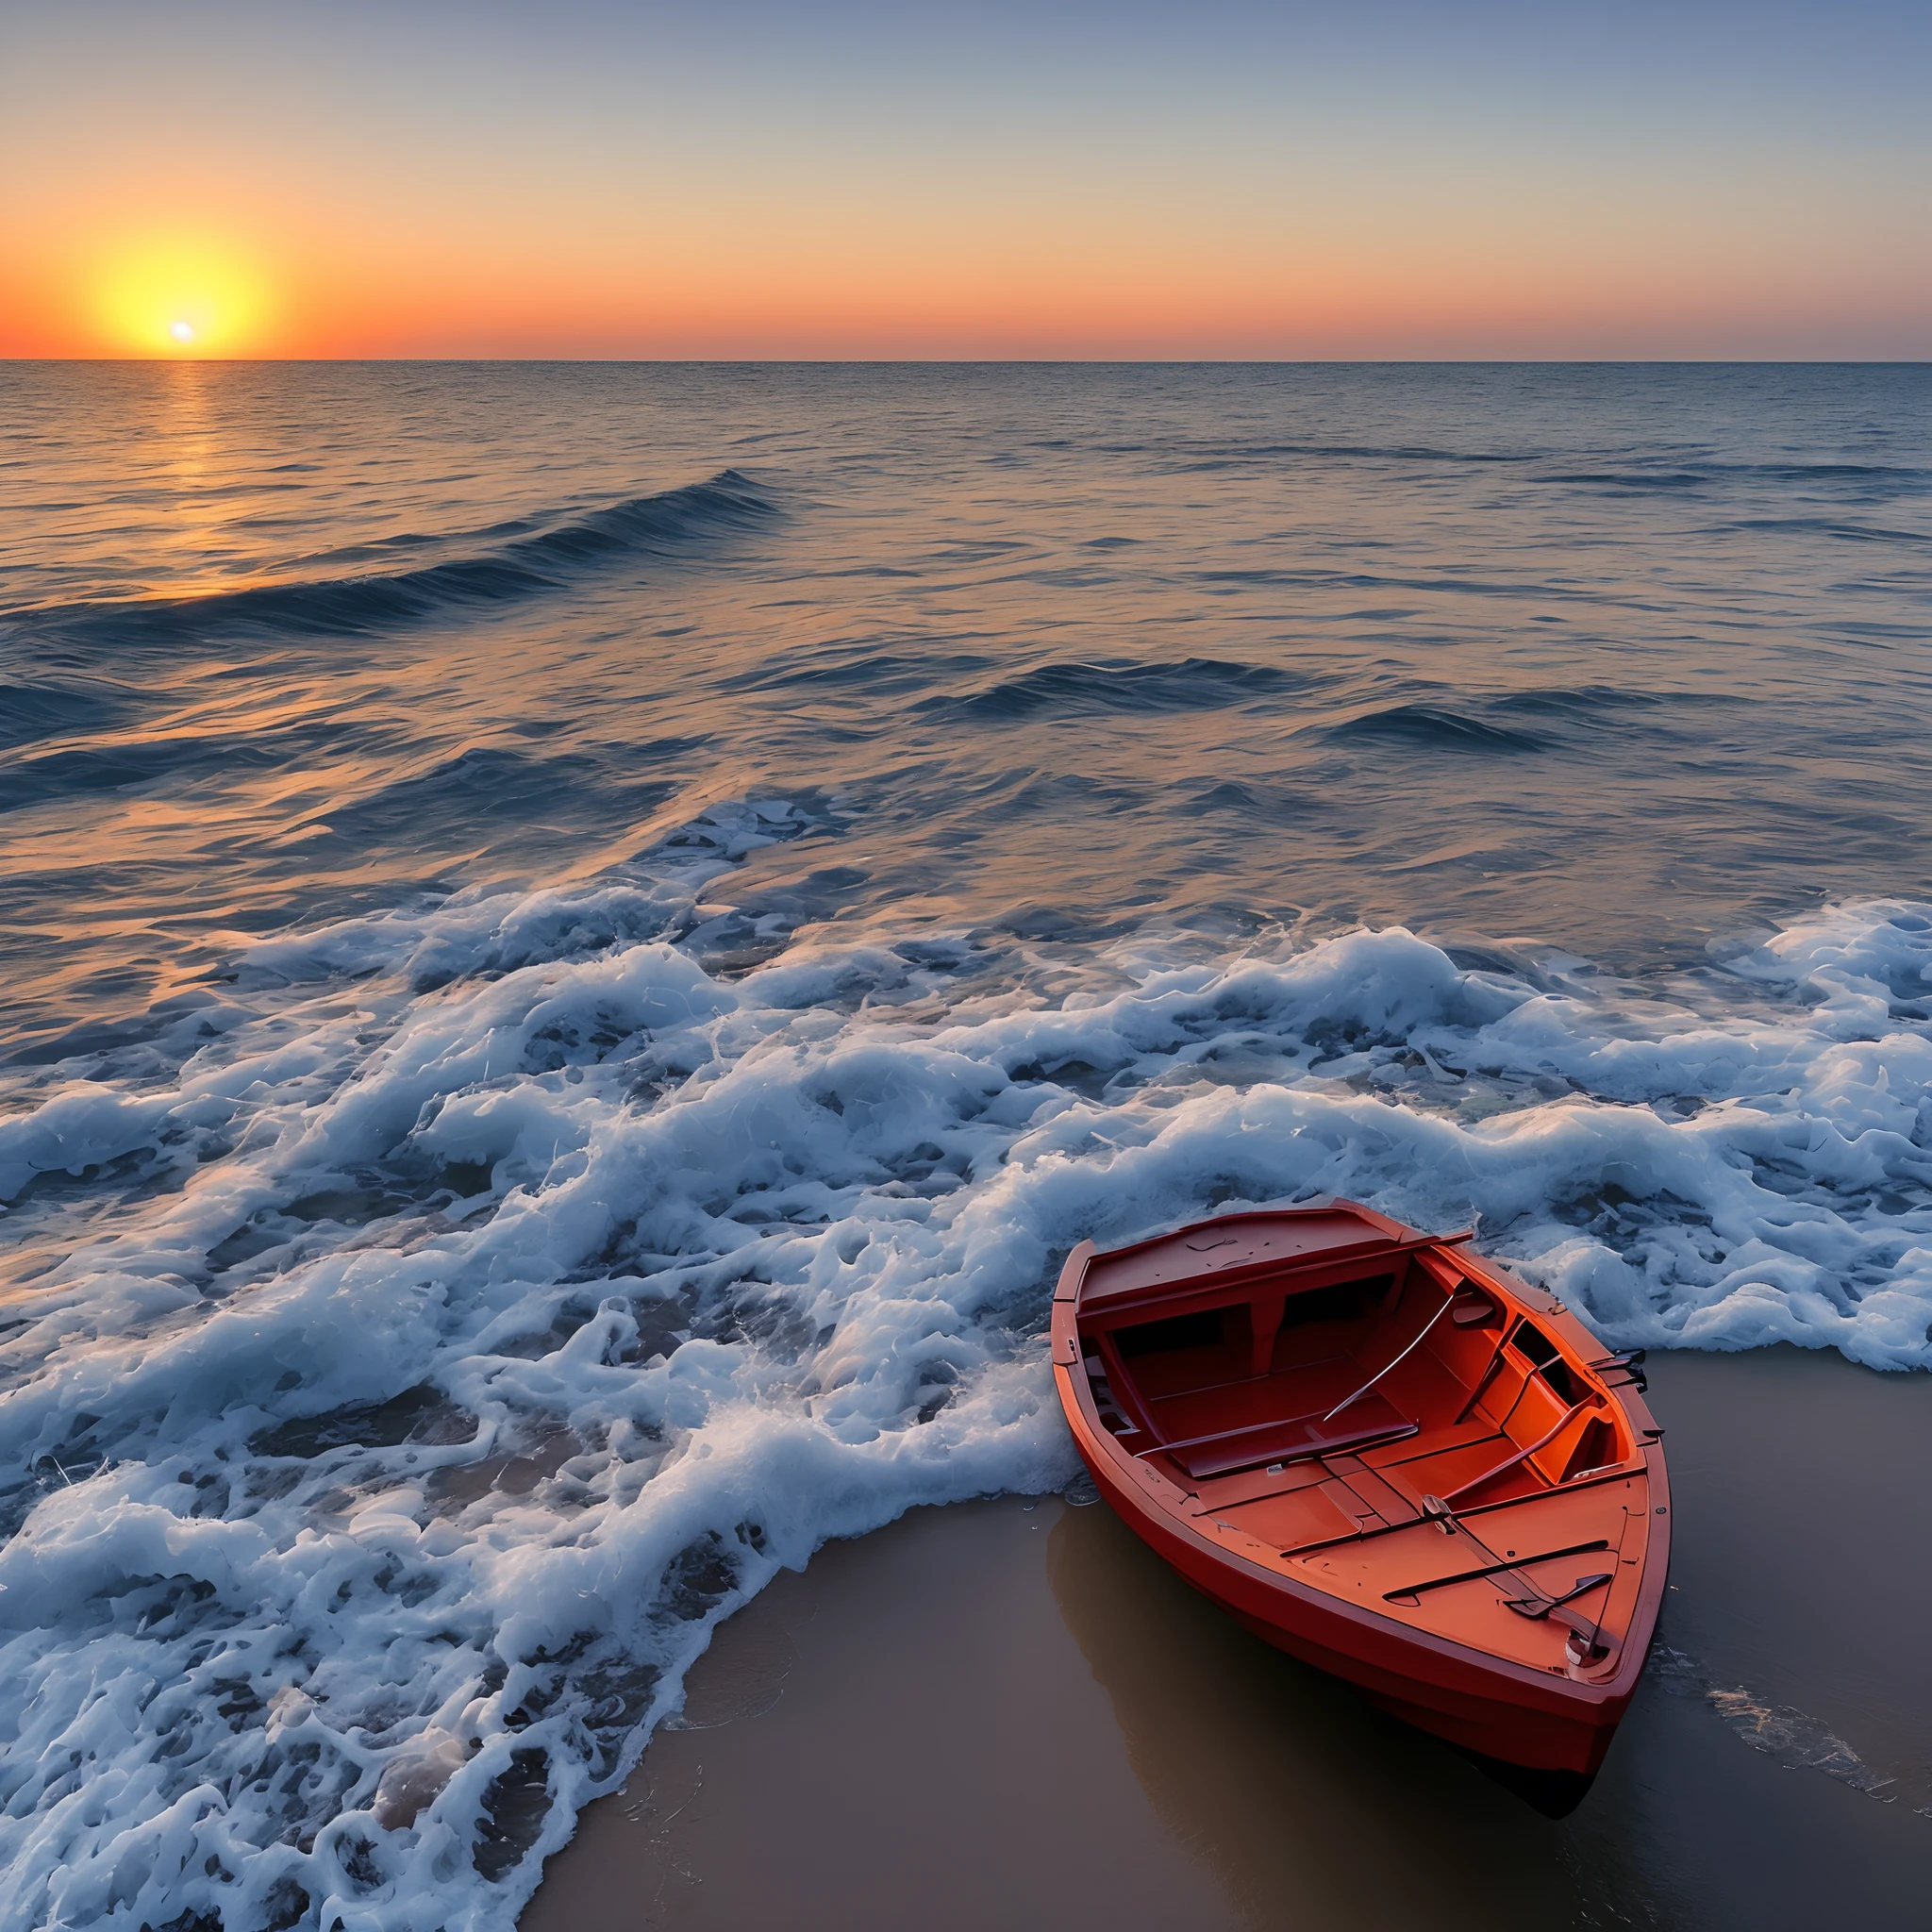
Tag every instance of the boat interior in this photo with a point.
(1395, 1427)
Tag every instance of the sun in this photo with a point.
(181, 296)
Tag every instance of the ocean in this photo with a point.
(581, 941)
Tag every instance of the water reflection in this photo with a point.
(1310, 1804)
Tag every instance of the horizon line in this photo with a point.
(1013, 362)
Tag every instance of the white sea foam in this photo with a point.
(435, 1333)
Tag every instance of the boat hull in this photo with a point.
(1464, 1705)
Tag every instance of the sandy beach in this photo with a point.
(1008, 1713)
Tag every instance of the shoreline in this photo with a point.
(1010, 1712)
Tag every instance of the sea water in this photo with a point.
(581, 941)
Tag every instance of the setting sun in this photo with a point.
(169, 294)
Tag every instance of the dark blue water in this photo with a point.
(580, 942)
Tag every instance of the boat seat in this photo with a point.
(1373, 1418)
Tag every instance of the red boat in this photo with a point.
(1386, 1457)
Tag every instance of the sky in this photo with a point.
(829, 179)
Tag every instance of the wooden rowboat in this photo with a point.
(1386, 1457)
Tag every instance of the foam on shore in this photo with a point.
(425, 1337)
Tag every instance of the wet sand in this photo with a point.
(1011, 1714)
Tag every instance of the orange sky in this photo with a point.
(289, 181)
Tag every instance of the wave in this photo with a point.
(664, 524)
(1430, 728)
(474, 791)
(1589, 702)
(114, 764)
(1832, 527)
(1866, 479)
(1364, 580)
(1686, 470)
(34, 711)
(1903, 474)
(878, 672)
(1680, 475)
(1253, 803)
(443, 1364)
(1072, 689)
(459, 801)
(1236, 455)
(1437, 726)
(1634, 479)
